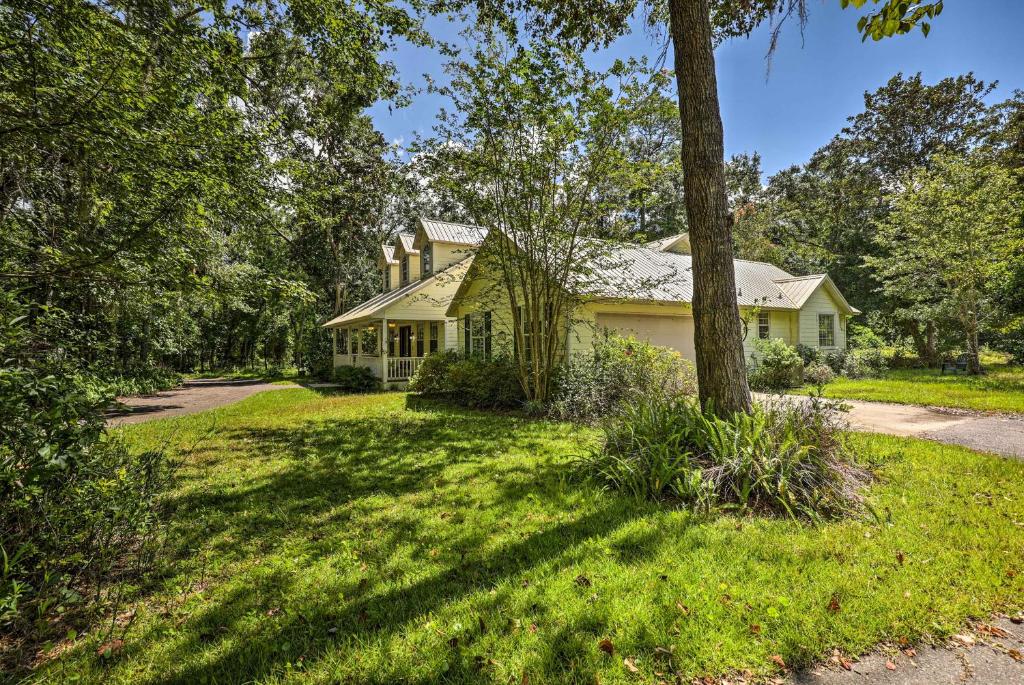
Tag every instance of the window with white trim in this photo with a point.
(762, 325)
(342, 340)
(476, 329)
(405, 269)
(826, 330)
(434, 334)
(387, 278)
(420, 333)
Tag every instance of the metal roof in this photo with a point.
(635, 272)
(667, 244)
(389, 253)
(407, 241)
(448, 232)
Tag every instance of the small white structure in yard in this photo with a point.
(391, 333)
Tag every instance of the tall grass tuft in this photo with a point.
(787, 458)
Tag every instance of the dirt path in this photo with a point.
(193, 396)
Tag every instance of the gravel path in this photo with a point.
(193, 396)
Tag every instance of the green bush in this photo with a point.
(472, 381)
(862, 337)
(835, 360)
(787, 458)
(818, 374)
(776, 366)
(356, 379)
(808, 355)
(141, 381)
(864, 363)
(619, 370)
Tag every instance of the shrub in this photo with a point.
(864, 363)
(74, 504)
(472, 381)
(619, 370)
(356, 379)
(808, 355)
(787, 458)
(776, 366)
(141, 380)
(862, 337)
(835, 360)
(818, 375)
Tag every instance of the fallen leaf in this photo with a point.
(846, 663)
(1016, 620)
(965, 640)
(833, 605)
(890, 665)
(994, 631)
(109, 649)
(911, 652)
(900, 558)
(683, 608)
(778, 661)
(606, 646)
(583, 581)
(755, 628)
(1015, 654)
(273, 611)
(533, 627)
(628, 661)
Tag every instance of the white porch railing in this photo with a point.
(402, 368)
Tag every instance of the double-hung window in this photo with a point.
(762, 325)
(405, 269)
(420, 331)
(342, 340)
(477, 333)
(826, 330)
(434, 328)
(427, 259)
(527, 329)
(387, 278)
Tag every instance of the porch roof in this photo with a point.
(376, 307)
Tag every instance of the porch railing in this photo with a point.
(403, 368)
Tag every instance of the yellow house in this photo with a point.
(647, 291)
(391, 333)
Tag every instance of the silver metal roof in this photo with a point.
(448, 232)
(407, 240)
(636, 272)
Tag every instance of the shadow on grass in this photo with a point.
(342, 474)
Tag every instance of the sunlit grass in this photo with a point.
(321, 539)
(1001, 388)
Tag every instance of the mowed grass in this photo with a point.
(367, 539)
(1001, 388)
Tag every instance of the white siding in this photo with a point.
(820, 302)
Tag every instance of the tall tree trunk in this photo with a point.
(721, 372)
(930, 348)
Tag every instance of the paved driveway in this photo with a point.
(193, 396)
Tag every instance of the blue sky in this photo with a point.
(815, 83)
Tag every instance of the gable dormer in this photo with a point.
(388, 266)
(679, 243)
(408, 259)
(442, 243)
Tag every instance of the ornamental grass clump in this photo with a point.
(787, 458)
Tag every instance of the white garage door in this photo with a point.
(668, 331)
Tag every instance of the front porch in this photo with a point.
(392, 349)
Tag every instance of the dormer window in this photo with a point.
(405, 269)
(387, 278)
(427, 258)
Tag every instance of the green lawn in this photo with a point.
(347, 539)
(1001, 388)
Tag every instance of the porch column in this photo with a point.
(384, 348)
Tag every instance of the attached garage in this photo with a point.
(675, 332)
